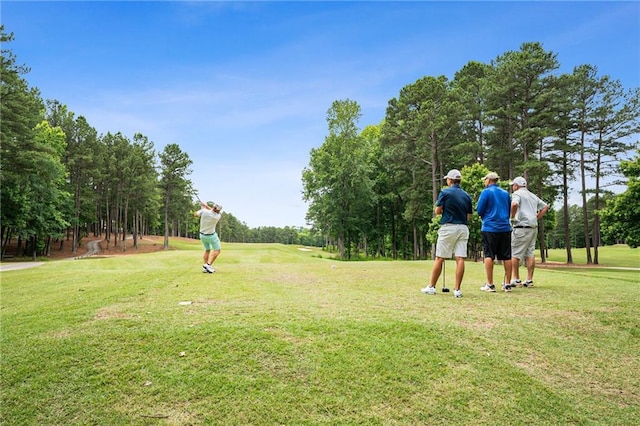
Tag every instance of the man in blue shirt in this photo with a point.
(455, 206)
(494, 208)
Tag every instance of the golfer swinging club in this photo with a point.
(209, 215)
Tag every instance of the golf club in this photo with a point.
(444, 277)
(196, 194)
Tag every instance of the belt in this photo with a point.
(523, 227)
(207, 234)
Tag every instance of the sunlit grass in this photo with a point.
(615, 256)
(281, 336)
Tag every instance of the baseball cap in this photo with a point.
(491, 176)
(453, 174)
(520, 181)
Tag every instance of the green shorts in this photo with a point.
(210, 242)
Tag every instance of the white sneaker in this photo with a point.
(208, 268)
(506, 287)
(457, 293)
(429, 290)
(488, 287)
(516, 283)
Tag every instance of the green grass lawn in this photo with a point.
(282, 336)
(613, 256)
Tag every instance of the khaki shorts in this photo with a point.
(452, 241)
(523, 242)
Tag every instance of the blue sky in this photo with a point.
(244, 87)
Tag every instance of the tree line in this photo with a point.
(371, 192)
(61, 181)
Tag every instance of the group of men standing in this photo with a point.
(509, 230)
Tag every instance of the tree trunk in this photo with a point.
(565, 195)
(166, 222)
(415, 241)
(135, 228)
(124, 224)
(542, 242)
(34, 248)
(76, 226)
(596, 208)
(585, 215)
(341, 246)
(434, 189)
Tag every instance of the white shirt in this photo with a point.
(208, 220)
(528, 207)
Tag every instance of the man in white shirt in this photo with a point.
(209, 215)
(526, 210)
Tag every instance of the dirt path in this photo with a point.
(93, 247)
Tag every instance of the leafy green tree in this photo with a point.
(119, 153)
(574, 225)
(473, 184)
(586, 82)
(521, 89)
(621, 219)
(230, 229)
(142, 178)
(337, 181)
(419, 131)
(616, 120)
(174, 185)
(606, 117)
(522, 111)
(470, 86)
(46, 185)
(81, 161)
(562, 156)
(20, 112)
(380, 217)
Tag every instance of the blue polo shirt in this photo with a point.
(456, 204)
(493, 207)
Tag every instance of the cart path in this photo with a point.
(93, 249)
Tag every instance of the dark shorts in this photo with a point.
(496, 245)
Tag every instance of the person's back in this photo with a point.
(526, 210)
(494, 205)
(494, 208)
(208, 221)
(456, 205)
(528, 206)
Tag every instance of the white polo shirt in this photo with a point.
(528, 207)
(208, 220)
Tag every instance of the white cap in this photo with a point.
(453, 174)
(520, 181)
